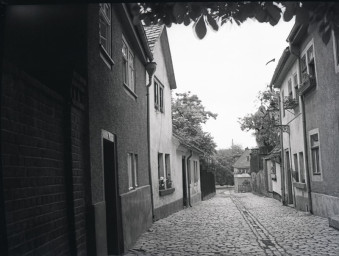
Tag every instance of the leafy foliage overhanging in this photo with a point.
(188, 115)
(216, 14)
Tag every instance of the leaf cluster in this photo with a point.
(222, 163)
(216, 14)
(263, 122)
(188, 115)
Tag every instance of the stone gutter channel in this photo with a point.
(265, 240)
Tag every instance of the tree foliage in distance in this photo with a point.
(223, 162)
(215, 14)
(263, 122)
(188, 115)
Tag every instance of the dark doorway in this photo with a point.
(289, 178)
(184, 181)
(114, 234)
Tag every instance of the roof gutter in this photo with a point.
(141, 39)
(281, 64)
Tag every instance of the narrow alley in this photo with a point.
(239, 224)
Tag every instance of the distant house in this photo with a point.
(308, 73)
(242, 177)
(273, 170)
(188, 164)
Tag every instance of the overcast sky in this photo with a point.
(226, 70)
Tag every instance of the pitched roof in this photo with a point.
(242, 160)
(153, 33)
(276, 151)
(186, 144)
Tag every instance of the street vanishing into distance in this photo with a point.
(239, 224)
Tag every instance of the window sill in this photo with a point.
(166, 192)
(106, 57)
(158, 109)
(316, 174)
(307, 86)
(130, 92)
(299, 185)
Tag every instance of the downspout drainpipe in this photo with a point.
(282, 169)
(150, 68)
(308, 178)
(189, 175)
(290, 166)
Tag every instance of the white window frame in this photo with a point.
(129, 69)
(106, 17)
(319, 172)
(132, 170)
(289, 87)
(165, 167)
(305, 53)
(196, 172)
(296, 165)
(158, 96)
(335, 51)
(282, 102)
(301, 160)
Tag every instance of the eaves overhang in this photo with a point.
(297, 34)
(139, 33)
(187, 145)
(285, 63)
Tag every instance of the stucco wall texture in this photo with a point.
(322, 112)
(294, 141)
(161, 132)
(276, 184)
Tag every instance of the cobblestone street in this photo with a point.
(239, 224)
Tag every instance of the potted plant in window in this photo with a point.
(161, 183)
(308, 82)
(290, 102)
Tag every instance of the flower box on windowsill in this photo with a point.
(299, 185)
(290, 103)
(273, 176)
(165, 192)
(308, 84)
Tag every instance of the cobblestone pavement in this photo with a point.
(239, 224)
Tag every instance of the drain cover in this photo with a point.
(267, 242)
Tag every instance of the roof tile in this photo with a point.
(153, 32)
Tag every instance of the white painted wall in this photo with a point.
(294, 142)
(276, 184)
(161, 140)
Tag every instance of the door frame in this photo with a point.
(114, 246)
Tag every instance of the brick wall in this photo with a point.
(33, 169)
(79, 160)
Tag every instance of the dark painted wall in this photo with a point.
(114, 109)
(48, 42)
(322, 111)
(45, 156)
